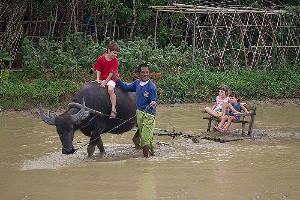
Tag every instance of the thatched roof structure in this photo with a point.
(240, 36)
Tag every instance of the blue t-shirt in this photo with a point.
(238, 108)
(144, 94)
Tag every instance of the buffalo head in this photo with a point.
(65, 126)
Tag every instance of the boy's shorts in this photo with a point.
(111, 83)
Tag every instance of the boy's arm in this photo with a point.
(98, 76)
(106, 80)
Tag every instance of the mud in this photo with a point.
(32, 166)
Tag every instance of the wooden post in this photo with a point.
(251, 125)
(30, 19)
(155, 29)
(194, 38)
(209, 125)
(134, 13)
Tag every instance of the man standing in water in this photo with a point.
(146, 101)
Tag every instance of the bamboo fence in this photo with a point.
(234, 36)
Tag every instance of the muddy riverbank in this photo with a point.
(288, 103)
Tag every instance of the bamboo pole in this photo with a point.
(207, 9)
(155, 29)
(194, 36)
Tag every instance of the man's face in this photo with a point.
(144, 74)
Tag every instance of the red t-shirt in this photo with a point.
(105, 67)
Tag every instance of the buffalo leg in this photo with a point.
(136, 140)
(91, 149)
(94, 140)
(100, 145)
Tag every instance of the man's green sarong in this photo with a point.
(146, 125)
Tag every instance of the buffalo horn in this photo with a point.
(80, 114)
(49, 120)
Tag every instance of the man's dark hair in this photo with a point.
(142, 65)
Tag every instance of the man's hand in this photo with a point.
(152, 104)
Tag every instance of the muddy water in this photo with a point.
(32, 166)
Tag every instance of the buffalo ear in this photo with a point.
(49, 120)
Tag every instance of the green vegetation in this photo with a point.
(22, 95)
(54, 72)
(198, 85)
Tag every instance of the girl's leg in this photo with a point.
(224, 108)
(222, 122)
(230, 118)
(211, 112)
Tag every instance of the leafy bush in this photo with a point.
(198, 85)
(54, 69)
(26, 95)
(60, 59)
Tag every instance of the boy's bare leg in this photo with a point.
(113, 97)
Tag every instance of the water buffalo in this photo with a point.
(93, 122)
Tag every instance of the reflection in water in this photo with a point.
(268, 168)
(146, 187)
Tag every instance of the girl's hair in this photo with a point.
(225, 88)
(113, 46)
(236, 95)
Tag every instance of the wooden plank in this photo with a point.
(225, 139)
(233, 121)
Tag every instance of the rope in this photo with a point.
(80, 147)
(77, 105)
